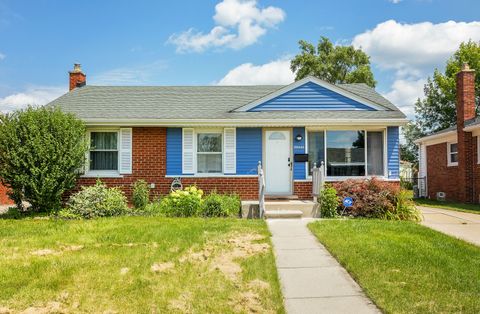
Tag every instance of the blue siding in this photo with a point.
(174, 151)
(393, 149)
(299, 148)
(249, 150)
(311, 96)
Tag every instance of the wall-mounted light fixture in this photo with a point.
(299, 137)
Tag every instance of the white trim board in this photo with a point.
(102, 122)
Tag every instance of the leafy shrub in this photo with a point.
(406, 184)
(405, 208)
(218, 205)
(328, 202)
(41, 151)
(141, 194)
(96, 201)
(182, 203)
(372, 198)
(11, 213)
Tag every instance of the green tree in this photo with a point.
(332, 63)
(41, 151)
(436, 111)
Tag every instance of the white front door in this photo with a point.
(278, 173)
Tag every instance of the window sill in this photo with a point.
(216, 175)
(102, 174)
(336, 179)
(453, 164)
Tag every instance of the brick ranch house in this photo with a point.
(214, 136)
(450, 159)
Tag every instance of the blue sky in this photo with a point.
(219, 42)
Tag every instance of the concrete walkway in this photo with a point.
(312, 280)
(461, 225)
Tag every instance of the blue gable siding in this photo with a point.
(393, 149)
(311, 96)
(249, 150)
(299, 148)
(174, 151)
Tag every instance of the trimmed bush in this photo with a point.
(141, 194)
(328, 202)
(96, 201)
(221, 205)
(372, 198)
(41, 152)
(182, 203)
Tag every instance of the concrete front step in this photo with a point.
(283, 213)
(307, 208)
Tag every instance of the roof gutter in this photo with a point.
(241, 122)
(471, 128)
(434, 137)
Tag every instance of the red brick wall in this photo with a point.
(149, 164)
(476, 172)
(441, 178)
(4, 199)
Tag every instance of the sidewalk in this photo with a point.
(465, 226)
(312, 280)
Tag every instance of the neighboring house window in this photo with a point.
(348, 153)
(209, 153)
(452, 154)
(103, 151)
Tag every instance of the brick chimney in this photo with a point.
(465, 111)
(77, 77)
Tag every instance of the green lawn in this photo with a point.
(468, 208)
(405, 267)
(138, 264)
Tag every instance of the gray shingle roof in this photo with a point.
(200, 102)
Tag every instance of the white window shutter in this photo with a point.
(86, 162)
(229, 151)
(187, 151)
(125, 158)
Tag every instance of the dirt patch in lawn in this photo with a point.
(224, 255)
(162, 267)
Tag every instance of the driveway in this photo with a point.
(461, 225)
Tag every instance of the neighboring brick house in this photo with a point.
(215, 136)
(450, 159)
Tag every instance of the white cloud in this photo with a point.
(404, 93)
(2, 56)
(239, 23)
(273, 73)
(412, 51)
(395, 1)
(35, 96)
(130, 75)
(413, 47)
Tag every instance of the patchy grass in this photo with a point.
(467, 208)
(138, 264)
(405, 267)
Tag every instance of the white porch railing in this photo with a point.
(261, 190)
(318, 180)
